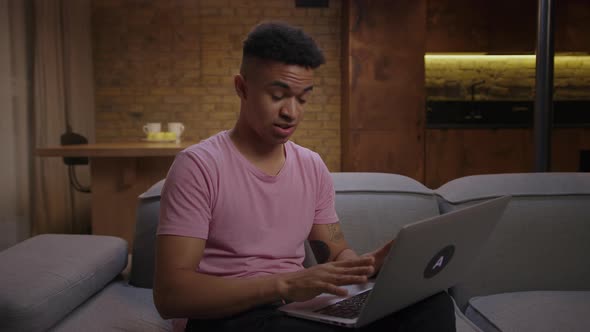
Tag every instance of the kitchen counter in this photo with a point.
(123, 149)
(120, 172)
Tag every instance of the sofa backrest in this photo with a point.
(542, 240)
(373, 207)
(144, 242)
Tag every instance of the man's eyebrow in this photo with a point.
(286, 86)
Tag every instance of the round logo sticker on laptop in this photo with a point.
(439, 261)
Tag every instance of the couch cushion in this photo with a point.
(373, 207)
(45, 277)
(541, 241)
(119, 307)
(463, 324)
(532, 311)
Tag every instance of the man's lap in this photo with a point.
(433, 314)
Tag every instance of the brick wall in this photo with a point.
(505, 78)
(164, 61)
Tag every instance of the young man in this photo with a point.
(237, 208)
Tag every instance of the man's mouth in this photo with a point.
(284, 130)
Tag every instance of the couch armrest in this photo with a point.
(45, 277)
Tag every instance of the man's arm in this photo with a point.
(180, 291)
(328, 244)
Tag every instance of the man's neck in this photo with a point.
(253, 149)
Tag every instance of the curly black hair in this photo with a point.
(284, 43)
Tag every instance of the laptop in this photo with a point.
(427, 257)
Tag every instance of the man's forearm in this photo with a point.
(197, 295)
(346, 254)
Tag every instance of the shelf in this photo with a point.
(503, 114)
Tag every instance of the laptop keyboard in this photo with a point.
(349, 308)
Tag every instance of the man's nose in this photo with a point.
(289, 109)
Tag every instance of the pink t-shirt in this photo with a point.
(255, 224)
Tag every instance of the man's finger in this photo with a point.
(387, 247)
(332, 289)
(341, 280)
(362, 261)
(358, 270)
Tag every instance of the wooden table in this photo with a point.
(120, 172)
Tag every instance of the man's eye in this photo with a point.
(301, 101)
(276, 97)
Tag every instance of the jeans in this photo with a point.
(435, 313)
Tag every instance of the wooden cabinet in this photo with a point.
(512, 26)
(383, 87)
(454, 153)
(572, 26)
(457, 25)
(503, 26)
(566, 147)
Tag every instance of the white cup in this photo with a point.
(152, 127)
(177, 128)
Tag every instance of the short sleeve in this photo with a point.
(325, 212)
(185, 206)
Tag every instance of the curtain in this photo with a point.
(15, 126)
(63, 92)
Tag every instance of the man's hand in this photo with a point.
(379, 256)
(325, 278)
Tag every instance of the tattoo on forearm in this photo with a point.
(335, 232)
(321, 251)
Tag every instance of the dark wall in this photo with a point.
(383, 92)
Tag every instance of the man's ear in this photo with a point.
(240, 85)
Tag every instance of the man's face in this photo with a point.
(273, 98)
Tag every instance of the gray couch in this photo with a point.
(532, 275)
